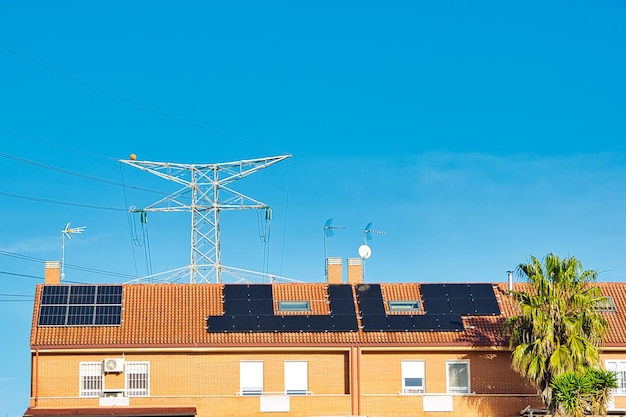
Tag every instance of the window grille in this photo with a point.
(90, 379)
(137, 376)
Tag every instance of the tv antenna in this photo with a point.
(67, 232)
(202, 189)
(364, 250)
(328, 232)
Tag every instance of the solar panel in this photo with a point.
(108, 315)
(365, 291)
(450, 322)
(372, 306)
(109, 294)
(270, 323)
(432, 291)
(425, 322)
(80, 315)
(55, 294)
(81, 305)
(375, 322)
(236, 292)
(237, 306)
(246, 322)
(400, 322)
(340, 291)
(464, 306)
(82, 294)
(457, 290)
(260, 292)
(345, 322)
(220, 323)
(342, 306)
(482, 291)
(487, 306)
(437, 306)
(52, 315)
(295, 323)
(320, 323)
(261, 306)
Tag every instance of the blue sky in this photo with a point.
(474, 134)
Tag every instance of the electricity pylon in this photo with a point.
(203, 187)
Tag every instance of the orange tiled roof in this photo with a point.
(169, 315)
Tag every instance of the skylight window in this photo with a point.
(606, 304)
(294, 306)
(404, 305)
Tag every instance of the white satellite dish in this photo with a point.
(365, 251)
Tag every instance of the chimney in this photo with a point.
(355, 270)
(52, 275)
(334, 267)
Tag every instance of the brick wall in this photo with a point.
(210, 382)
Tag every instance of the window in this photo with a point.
(137, 379)
(251, 377)
(294, 306)
(458, 377)
(606, 304)
(619, 367)
(296, 377)
(407, 305)
(412, 377)
(90, 379)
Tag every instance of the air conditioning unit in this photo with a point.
(113, 365)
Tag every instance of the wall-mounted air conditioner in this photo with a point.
(113, 365)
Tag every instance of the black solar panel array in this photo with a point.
(461, 299)
(342, 308)
(375, 318)
(372, 307)
(250, 308)
(81, 305)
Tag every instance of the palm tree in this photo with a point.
(579, 394)
(558, 328)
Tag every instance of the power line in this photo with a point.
(15, 295)
(75, 174)
(69, 266)
(65, 203)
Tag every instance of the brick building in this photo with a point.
(338, 348)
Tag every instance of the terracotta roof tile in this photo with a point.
(166, 315)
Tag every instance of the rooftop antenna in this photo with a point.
(328, 232)
(202, 186)
(67, 232)
(364, 250)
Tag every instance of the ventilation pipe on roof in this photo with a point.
(510, 280)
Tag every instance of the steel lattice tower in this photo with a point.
(205, 193)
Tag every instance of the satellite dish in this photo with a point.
(365, 251)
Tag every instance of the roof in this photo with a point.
(177, 315)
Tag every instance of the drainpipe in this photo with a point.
(351, 361)
(36, 376)
(358, 378)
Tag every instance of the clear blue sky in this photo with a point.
(475, 134)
